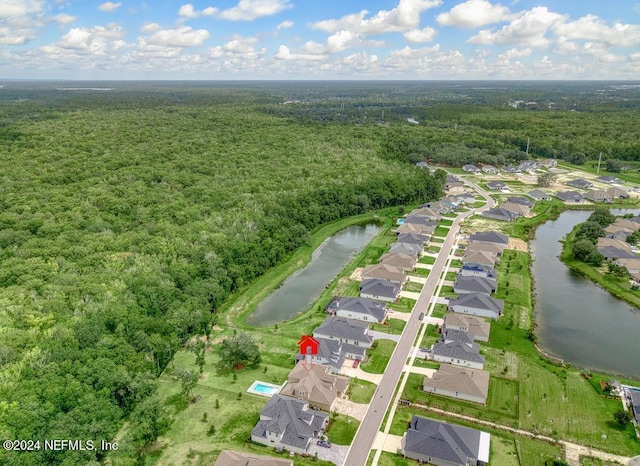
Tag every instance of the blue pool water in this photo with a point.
(266, 389)
(400, 221)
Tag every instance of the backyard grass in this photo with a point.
(391, 326)
(341, 429)
(439, 311)
(503, 451)
(361, 391)
(403, 305)
(591, 461)
(378, 356)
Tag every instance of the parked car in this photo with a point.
(356, 363)
(324, 443)
(424, 349)
(421, 316)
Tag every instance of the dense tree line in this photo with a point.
(125, 223)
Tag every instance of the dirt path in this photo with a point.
(518, 245)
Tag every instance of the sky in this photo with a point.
(320, 39)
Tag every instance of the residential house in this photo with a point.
(316, 385)
(627, 223)
(450, 335)
(496, 185)
(443, 444)
(470, 168)
(386, 272)
(612, 253)
(494, 249)
(405, 262)
(459, 382)
(521, 201)
(490, 237)
(633, 395)
(617, 193)
(466, 198)
(632, 265)
(528, 166)
(616, 243)
(427, 213)
(458, 353)
(236, 458)
(471, 284)
(332, 354)
(412, 238)
(415, 228)
(499, 213)
(481, 258)
(570, 197)
(517, 209)
(477, 327)
(450, 202)
(539, 195)
(382, 290)
(580, 183)
(406, 248)
(422, 220)
(358, 308)
(351, 332)
(477, 304)
(548, 163)
(479, 270)
(511, 169)
(598, 195)
(289, 424)
(609, 179)
(452, 182)
(489, 169)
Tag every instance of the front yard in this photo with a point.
(378, 356)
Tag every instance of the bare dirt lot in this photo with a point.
(518, 245)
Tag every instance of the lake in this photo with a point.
(577, 320)
(305, 285)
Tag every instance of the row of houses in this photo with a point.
(511, 209)
(527, 166)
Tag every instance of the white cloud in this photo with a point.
(64, 18)
(473, 13)
(248, 10)
(98, 40)
(404, 17)
(285, 54)
(15, 8)
(149, 27)
(600, 52)
(515, 53)
(188, 11)
(593, 28)
(416, 36)
(285, 25)
(528, 30)
(239, 47)
(109, 7)
(182, 36)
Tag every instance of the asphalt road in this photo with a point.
(370, 425)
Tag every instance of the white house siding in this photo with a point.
(356, 316)
(379, 298)
(456, 395)
(277, 444)
(475, 311)
(459, 362)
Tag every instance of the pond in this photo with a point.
(577, 320)
(304, 286)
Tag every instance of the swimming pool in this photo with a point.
(400, 221)
(264, 388)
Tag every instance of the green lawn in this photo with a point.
(446, 223)
(341, 429)
(456, 263)
(415, 286)
(436, 240)
(433, 248)
(592, 461)
(447, 292)
(403, 305)
(440, 310)
(391, 459)
(378, 356)
(427, 260)
(503, 451)
(451, 276)
(419, 272)
(391, 326)
(441, 231)
(361, 391)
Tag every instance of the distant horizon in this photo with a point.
(249, 40)
(317, 80)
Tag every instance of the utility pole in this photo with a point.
(528, 141)
(599, 160)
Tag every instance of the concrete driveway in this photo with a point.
(409, 294)
(349, 408)
(383, 336)
(336, 454)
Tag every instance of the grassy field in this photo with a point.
(440, 310)
(415, 286)
(390, 459)
(419, 272)
(391, 326)
(427, 260)
(379, 355)
(591, 461)
(403, 305)
(361, 391)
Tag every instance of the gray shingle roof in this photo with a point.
(490, 237)
(406, 248)
(479, 301)
(290, 417)
(447, 442)
(361, 305)
(570, 196)
(420, 220)
(458, 350)
(539, 194)
(579, 183)
(379, 287)
(611, 252)
(521, 200)
(412, 238)
(474, 284)
(496, 185)
(449, 335)
(339, 327)
(490, 271)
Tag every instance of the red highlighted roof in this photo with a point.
(308, 345)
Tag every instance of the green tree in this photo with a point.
(238, 352)
(586, 251)
(589, 230)
(577, 158)
(546, 179)
(622, 417)
(602, 216)
(148, 421)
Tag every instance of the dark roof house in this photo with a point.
(364, 309)
(579, 183)
(477, 304)
(470, 168)
(383, 290)
(539, 195)
(570, 196)
(472, 284)
(490, 237)
(344, 330)
(496, 185)
(498, 213)
(440, 443)
(521, 200)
